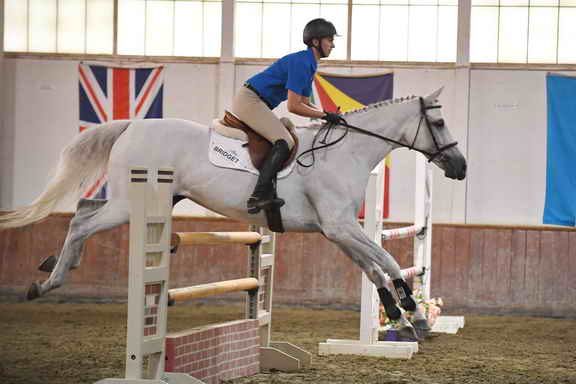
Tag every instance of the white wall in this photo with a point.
(41, 117)
(504, 136)
(507, 154)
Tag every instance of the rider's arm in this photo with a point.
(313, 106)
(300, 106)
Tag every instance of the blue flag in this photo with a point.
(560, 206)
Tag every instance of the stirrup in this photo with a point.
(255, 205)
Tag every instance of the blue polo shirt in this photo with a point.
(293, 72)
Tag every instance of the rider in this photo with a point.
(290, 78)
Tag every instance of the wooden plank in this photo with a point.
(502, 271)
(448, 274)
(489, 272)
(547, 271)
(212, 289)
(562, 297)
(475, 273)
(390, 351)
(553, 263)
(571, 273)
(517, 269)
(461, 266)
(437, 260)
(532, 297)
(214, 238)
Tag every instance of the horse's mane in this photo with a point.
(380, 104)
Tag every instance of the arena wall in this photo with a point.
(487, 269)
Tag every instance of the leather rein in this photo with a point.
(329, 127)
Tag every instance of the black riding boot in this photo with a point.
(263, 195)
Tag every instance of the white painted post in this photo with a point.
(423, 219)
(149, 266)
(227, 66)
(370, 302)
(149, 273)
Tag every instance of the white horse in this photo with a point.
(324, 198)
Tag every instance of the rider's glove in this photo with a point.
(332, 117)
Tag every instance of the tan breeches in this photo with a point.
(251, 110)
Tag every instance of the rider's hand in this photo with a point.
(332, 117)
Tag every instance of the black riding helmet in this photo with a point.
(318, 29)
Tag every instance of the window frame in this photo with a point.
(116, 58)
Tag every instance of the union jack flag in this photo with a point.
(108, 93)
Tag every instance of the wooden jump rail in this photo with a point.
(151, 244)
(211, 289)
(214, 238)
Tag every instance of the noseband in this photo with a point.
(423, 117)
(437, 124)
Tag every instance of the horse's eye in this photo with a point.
(438, 123)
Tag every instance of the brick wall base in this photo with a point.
(215, 352)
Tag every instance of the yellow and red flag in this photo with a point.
(336, 92)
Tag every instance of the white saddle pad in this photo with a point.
(227, 152)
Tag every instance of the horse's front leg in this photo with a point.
(375, 262)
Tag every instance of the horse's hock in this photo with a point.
(207, 354)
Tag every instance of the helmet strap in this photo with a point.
(320, 49)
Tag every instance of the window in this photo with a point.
(59, 26)
(169, 27)
(523, 31)
(404, 30)
(273, 28)
(502, 31)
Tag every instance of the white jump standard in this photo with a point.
(151, 240)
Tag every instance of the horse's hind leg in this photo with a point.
(110, 215)
(85, 207)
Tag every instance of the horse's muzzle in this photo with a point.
(455, 168)
(453, 164)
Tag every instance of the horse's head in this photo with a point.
(431, 137)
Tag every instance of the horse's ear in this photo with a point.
(434, 95)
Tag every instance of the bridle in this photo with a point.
(329, 127)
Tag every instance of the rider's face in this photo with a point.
(327, 44)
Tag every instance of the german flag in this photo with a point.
(336, 92)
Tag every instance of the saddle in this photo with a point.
(258, 149)
(258, 145)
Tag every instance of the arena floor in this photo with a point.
(82, 343)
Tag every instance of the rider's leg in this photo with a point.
(254, 112)
(263, 195)
(251, 110)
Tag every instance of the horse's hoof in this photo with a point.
(407, 334)
(48, 264)
(34, 291)
(422, 328)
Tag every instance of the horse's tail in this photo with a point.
(81, 164)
